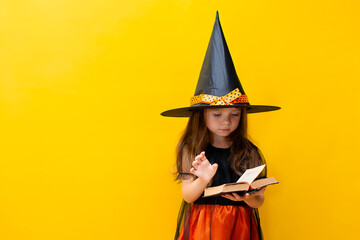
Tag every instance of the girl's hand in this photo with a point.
(247, 196)
(202, 168)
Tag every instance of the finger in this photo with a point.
(192, 170)
(237, 196)
(203, 157)
(195, 163)
(214, 167)
(240, 197)
(224, 196)
(230, 197)
(198, 157)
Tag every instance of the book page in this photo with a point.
(250, 174)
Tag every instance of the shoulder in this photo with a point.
(256, 154)
(254, 150)
(253, 146)
(259, 159)
(184, 162)
(184, 152)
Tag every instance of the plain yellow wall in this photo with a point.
(85, 154)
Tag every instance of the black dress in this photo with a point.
(218, 217)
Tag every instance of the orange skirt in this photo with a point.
(220, 222)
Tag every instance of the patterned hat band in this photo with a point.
(234, 96)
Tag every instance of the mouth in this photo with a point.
(225, 129)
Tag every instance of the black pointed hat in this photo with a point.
(218, 85)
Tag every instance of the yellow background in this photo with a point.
(85, 154)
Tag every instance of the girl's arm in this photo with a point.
(202, 168)
(255, 199)
(193, 189)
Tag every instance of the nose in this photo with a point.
(226, 119)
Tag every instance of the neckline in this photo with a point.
(212, 146)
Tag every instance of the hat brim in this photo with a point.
(186, 111)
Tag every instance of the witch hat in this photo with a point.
(218, 85)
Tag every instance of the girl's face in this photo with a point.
(222, 121)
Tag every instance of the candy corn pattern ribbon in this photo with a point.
(234, 96)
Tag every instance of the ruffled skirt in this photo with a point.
(219, 222)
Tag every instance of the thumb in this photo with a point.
(214, 167)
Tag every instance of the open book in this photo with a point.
(245, 184)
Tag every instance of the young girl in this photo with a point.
(221, 132)
(215, 149)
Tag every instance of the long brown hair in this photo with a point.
(196, 137)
